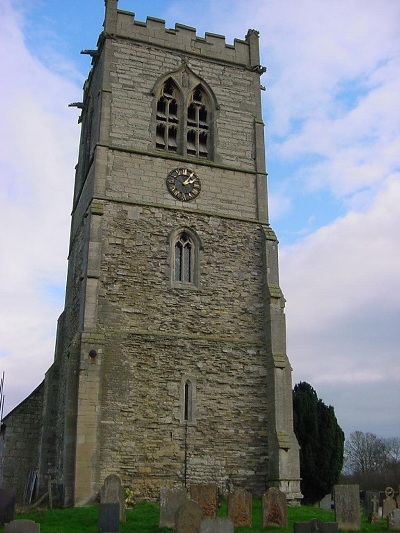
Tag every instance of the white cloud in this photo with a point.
(38, 142)
(342, 285)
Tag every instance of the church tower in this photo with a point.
(171, 363)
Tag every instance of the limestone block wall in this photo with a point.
(236, 92)
(20, 436)
(156, 336)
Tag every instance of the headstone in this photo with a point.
(216, 525)
(22, 526)
(112, 491)
(170, 501)
(393, 520)
(315, 526)
(371, 506)
(274, 508)
(347, 507)
(109, 517)
(188, 517)
(240, 507)
(371, 502)
(326, 502)
(7, 506)
(389, 503)
(205, 495)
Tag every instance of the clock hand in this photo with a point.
(188, 181)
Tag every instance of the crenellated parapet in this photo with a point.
(183, 38)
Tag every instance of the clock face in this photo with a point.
(183, 184)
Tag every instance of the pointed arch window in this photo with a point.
(188, 399)
(185, 248)
(167, 132)
(198, 123)
(184, 260)
(185, 114)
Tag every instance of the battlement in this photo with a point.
(121, 23)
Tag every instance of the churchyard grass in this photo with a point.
(143, 518)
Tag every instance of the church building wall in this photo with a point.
(20, 441)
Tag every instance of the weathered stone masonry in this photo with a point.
(163, 382)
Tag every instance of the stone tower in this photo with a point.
(170, 363)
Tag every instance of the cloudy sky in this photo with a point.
(332, 116)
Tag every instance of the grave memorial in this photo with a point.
(112, 491)
(393, 520)
(240, 507)
(274, 508)
(205, 495)
(109, 517)
(389, 503)
(347, 507)
(188, 517)
(170, 501)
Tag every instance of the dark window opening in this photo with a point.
(187, 409)
(167, 114)
(184, 259)
(198, 124)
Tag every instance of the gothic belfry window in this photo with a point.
(167, 133)
(198, 124)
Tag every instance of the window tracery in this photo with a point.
(168, 118)
(183, 117)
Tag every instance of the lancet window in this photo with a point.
(167, 133)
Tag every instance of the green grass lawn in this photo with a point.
(143, 518)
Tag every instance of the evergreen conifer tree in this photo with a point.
(321, 443)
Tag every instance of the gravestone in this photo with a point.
(216, 525)
(22, 526)
(371, 502)
(389, 503)
(393, 520)
(7, 506)
(240, 507)
(326, 502)
(112, 491)
(371, 506)
(274, 508)
(109, 514)
(205, 495)
(188, 517)
(315, 526)
(347, 507)
(170, 501)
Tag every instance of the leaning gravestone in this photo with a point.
(112, 491)
(240, 507)
(389, 503)
(393, 520)
(109, 517)
(170, 501)
(216, 525)
(22, 526)
(315, 526)
(274, 508)
(205, 495)
(7, 506)
(347, 507)
(188, 517)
